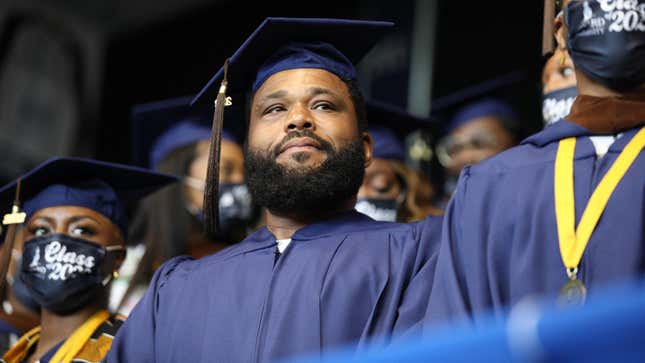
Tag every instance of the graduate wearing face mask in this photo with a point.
(390, 190)
(558, 86)
(72, 247)
(562, 214)
(174, 138)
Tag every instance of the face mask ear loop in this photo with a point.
(114, 273)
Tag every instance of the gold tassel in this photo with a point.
(211, 192)
(11, 220)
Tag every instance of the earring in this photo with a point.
(563, 58)
(115, 274)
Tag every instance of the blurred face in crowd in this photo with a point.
(381, 181)
(304, 145)
(474, 141)
(231, 169)
(556, 74)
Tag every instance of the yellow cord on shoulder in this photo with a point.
(77, 340)
(18, 352)
(573, 241)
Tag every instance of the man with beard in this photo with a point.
(320, 274)
(562, 213)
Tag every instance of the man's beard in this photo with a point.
(305, 190)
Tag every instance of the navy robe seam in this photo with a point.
(322, 284)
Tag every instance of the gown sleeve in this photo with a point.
(449, 298)
(414, 302)
(135, 341)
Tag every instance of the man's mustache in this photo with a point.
(324, 145)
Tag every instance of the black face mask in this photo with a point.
(236, 210)
(378, 209)
(557, 104)
(22, 294)
(606, 40)
(64, 274)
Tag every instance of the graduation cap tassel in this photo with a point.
(11, 220)
(211, 193)
(547, 29)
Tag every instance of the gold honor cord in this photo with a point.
(574, 241)
(77, 340)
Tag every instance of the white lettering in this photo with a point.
(51, 250)
(63, 264)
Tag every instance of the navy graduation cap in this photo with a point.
(389, 126)
(158, 128)
(480, 99)
(280, 44)
(106, 188)
(482, 108)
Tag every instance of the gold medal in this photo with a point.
(573, 292)
(573, 241)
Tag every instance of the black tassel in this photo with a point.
(211, 193)
(11, 220)
(547, 28)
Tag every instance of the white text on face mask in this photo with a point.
(63, 263)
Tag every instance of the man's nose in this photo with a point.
(299, 119)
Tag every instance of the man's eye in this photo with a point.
(274, 109)
(323, 106)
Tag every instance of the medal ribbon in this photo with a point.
(77, 340)
(574, 241)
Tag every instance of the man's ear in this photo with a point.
(368, 147)
(560, 32)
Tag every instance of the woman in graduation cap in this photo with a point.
(72, 247)
(479, 130)
(561, 214)
(172, 137)
(391, 191)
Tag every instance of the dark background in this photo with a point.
(71, 70)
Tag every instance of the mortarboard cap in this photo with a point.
(482, 108)
(389, 126)
(499, 88)
(280, 44)
(158, 128)
(106, 188)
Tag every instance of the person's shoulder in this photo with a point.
(535, 152)
(380, 227)
(183, 266)
(399, 233)
(523, 157)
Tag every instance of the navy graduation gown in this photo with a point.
(348, 279)
(500, 240)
